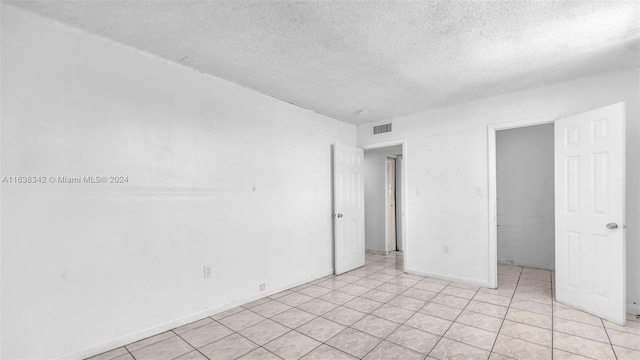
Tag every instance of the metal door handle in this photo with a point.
(612, 226)
(339, 215)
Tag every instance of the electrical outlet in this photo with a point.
(445, 249)
(207, 271)
(262, 287)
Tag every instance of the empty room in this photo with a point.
(193, 180)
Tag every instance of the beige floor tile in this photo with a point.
(429, 286)
(194, 355)
(407, 303)
(344, 315)
(419, 294)
(459, 292)
(581, 346)
(520, 349)
(577, 315)
(471, 336)
(580, 329)
(403, 281)
(393, 313)
(348, 278)
(563, 355)
(441, 311)
(492, 299)
(631, 327)
(414, 339)
(259, 354)
(624, 339)
(378, 295)
(111, 354)
(529, 318)
(474, 288)
(332, 284)
(452, 350)
(206, 334)
(231, 347)
(449, 300)
(354, 342)
(193, 325)
(526, 332)
(501, 291)
(375, 326)
(317, 306)
(354, 290)
(487, 309)
(292, 345)
(480, 321)
(435, 281)
(321, 329)
(390, 351)
(324, 352)
(294, 299)
(293, 318)
(392, 288)
(241, 320)
(129, 357)
(336, 297)
(167, 349)
(496, 356)
(150, 340)
(626, 354)
(265, 331)
(534, 282)
(429, 323)
(533, 307)
(270, 308)
(368, 283)
(381, 277)
(314, 291)
(363, 305)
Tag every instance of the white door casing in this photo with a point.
(589, 208)
(348, 203)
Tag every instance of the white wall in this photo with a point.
(525, 184)
(448, 161)
(375, 195)
(218, 174)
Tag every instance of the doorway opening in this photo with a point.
(384, 169)
(525, 196)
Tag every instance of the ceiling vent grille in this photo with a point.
(382, 128)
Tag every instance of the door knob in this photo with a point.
(339, 215)
(612, 226)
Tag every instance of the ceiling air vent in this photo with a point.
(382, 128)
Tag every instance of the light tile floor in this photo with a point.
(378, 312)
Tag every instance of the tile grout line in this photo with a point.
(505, 314)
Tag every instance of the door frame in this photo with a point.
(403, 196)
(493, 185)
(387, 212)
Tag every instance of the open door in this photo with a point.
(589, 207)
(348, 207)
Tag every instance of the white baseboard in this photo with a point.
(160, 328)
(460, 279)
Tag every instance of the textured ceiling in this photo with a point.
(391, 58)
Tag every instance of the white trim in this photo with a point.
(460, 279)
(403, 143)
(139, 335)
(492, 184)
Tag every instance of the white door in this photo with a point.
(348, 207)
(589, 193)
